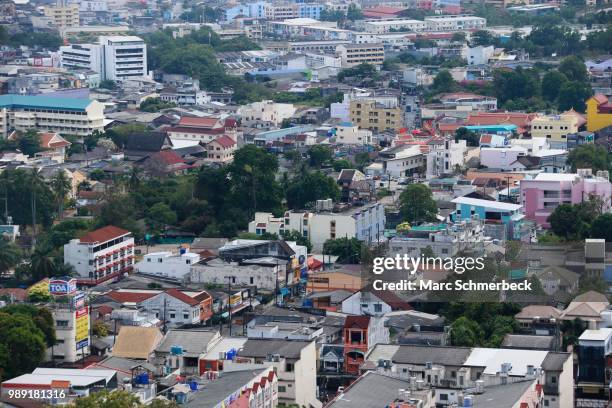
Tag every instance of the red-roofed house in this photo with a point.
(53, 145)
(100, 255)
(221, 150)
(203, 129)
(165, 163)
(179, 307)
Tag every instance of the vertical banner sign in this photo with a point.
(82, 328)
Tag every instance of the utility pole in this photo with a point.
(229, 300)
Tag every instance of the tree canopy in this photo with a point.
(417, 204)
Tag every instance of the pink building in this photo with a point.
(541, 195)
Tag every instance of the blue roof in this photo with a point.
(345, 124)
(43, 102)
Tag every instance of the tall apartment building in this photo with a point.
(370, 113)
(61, 115)
(63, 15)
(355, 54)
(114, 57)
(100, 255)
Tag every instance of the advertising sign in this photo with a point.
(79, 300)
(82, 328)
(235, 300)
(62, 286)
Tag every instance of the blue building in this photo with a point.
(310, 10)
(504, 219)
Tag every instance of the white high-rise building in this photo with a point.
(114, 57)
(124, 57)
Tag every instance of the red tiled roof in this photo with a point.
(177, 294)
(363, 322)
(17, 293)
(130, 297)
(230, 123)
(104, 310)
(202, 296)
(486, 139)
(499, 118)
(103, 234)
(600, 98)
(168, 157)
(46, 141)
(195, 130)
(199, 122)
(225, 141)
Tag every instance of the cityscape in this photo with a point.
(306, 203)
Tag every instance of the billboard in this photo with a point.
(82, 328)
(62, 286)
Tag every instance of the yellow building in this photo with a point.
(555, 128)
(64, 15)
(376, 116)
(598, 112)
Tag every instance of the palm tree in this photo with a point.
(36, 182)
(42, 264)
(61, 186)
(134, 180)
(9, 255)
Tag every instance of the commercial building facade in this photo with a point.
(100, 255)
(66, 116)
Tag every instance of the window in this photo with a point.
(282, 388)
(61, 323)
(185, 316)
(289, 367)
(378, 308)
(251, 280)
(160, 260)
(553, 379)
(172, 315)
(188, 261)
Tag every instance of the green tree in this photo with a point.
(61, 188)
(362, 160)
(417, 204)
(318, 155)
(589, 156)
(471, 138)
(9, 255)
(353, 13)
(517, 84)
(572, 95)
(159, 216)
(107, 399)
(300, 239)
(22, 344)
(29, 142)
(465, 333)
(574, 69)
(22, 187)
(42, 262)
(601, 228)
(341, 164)
(108, 84)
(443, 82)
(310, 187)
(482, 38)
(348, 250)
(253, 183)
(155, 105)
(551, 82)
